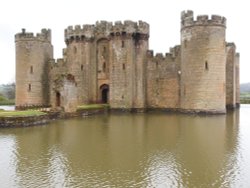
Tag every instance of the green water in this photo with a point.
(130, 150)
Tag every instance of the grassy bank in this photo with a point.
(5, 101)
(20, 113)
(245, 98)
(92, 106)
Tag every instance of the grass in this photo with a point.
(92, 106)
(26, 113)
(7, 102)
(245, 98)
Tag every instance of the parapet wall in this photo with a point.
(163, 73)
(106, 28)
(187, 20)
(172, 54)
(44, 36)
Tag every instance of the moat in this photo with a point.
(130, 150)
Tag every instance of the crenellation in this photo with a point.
(175, 50)
(44, 36)
(188, 14)
(57, 62)
(78, 29)
(79, 33)
(159, 56)
(104, 28)
(168, 55)
(218, 19)
(143, 27)
(202, 18)
(230, 44)
(129, 23)
(187, 20)
(150, 53)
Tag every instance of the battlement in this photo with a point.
(104, 28)
(44, 36)
(173, 53)
(230, 44)
(56, 62)
(187, 20)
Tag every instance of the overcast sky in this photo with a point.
(162, 15)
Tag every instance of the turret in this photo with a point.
(32, 55)
(203, 60)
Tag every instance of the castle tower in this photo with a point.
(32, 56)
(129, 45)
(80, 42)
(231, 82)
(203, 61)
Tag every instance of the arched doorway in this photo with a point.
(58, 99)
(104, 93)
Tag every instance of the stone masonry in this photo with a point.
(111, 63)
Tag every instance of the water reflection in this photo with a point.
(140, 150)
(8, 159)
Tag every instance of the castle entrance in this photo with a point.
(104, 93)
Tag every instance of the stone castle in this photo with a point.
(112, 63)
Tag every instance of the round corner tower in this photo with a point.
(203, 61)
(32, 57)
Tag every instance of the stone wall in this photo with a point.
(237, 78)
(230, 76)
(23, 121)
(163, 76)
(139, 71)
(121, 68)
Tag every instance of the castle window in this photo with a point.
(81, 67)
(185, 43)
(206, 65)
(31, 69)
(123, 66)
(104, 67)
(104, 49)
(29, 88)
(123, 44)
(75, 49)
